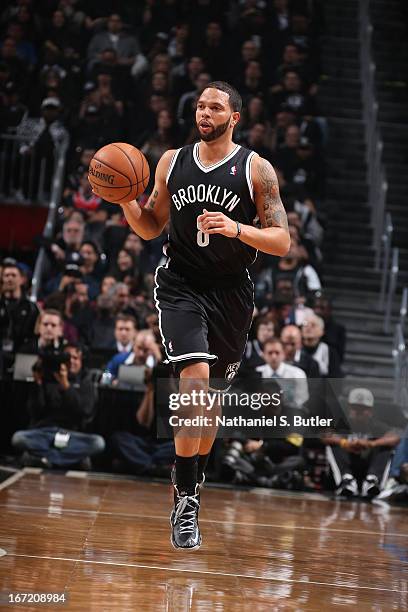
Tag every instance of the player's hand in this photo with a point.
(217, 223)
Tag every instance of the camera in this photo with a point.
(235, 466)
(50, 361)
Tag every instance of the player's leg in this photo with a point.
(183, 326)
(184, 518)
(229, 319)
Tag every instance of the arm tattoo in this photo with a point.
(152, 200)
(275, 215)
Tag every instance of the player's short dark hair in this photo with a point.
(235, 99)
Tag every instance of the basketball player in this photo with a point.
(211, 191)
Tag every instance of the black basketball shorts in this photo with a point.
(203, 324)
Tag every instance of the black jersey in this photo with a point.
(226, 187)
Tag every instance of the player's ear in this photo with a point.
(235, 117)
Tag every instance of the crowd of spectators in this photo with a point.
(71, 67)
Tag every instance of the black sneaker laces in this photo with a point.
(186, 518)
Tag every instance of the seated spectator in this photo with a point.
(252, 82)
(296, 391)
(12, 109)
(163, 139)
(18, 314)
(72, 300)
(213, 50)
(396, 487)
(134, 244)
(256, 141)
(93, 130)
(124, 334)
(13, 63)
(305, 172)
(292, 93)
(291, 338)
(179, 44)
(126, 45)
(286, 151)
(291, 60)
(304, 241)
(122, 300)
(254, 112)
(142, 452)
(103, 325)
(107, 285)
(92, 267)
(361, 456)
(325, 356)
(125, 265)
(109, 64)
(61, 402)
(284, 117)
(77, 311)
(48, 333)
(83, 198)
(185, 75)
(79, 164)
(145, 351)
(305, 280)
(70, 242)
(334, 333)
(250, 51)
(253, 357)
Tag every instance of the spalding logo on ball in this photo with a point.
(119, 172)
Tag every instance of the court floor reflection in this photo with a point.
(106, 542)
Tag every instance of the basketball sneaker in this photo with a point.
(348, 487)
(390, 487)
(185, 532)
(370, 487)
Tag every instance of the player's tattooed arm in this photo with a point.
(152, 200)
(273, 235)
(269, 203)
(149, 221)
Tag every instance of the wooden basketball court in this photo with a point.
(105, 542)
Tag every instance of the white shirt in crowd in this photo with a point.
(295, 389)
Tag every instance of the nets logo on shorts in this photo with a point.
(231, 370)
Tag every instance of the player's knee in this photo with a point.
(199, 371)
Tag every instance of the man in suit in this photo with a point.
(291, 339)
(325, 356)
(50, 327)
(296, 389)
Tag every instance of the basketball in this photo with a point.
(118, 172)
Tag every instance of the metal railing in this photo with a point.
(386, 240)
(403, 308)
(22, 170)
(400, 357)
(55, 198)
(392, 285)
(377, 182)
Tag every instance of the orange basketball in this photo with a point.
(118, 172)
